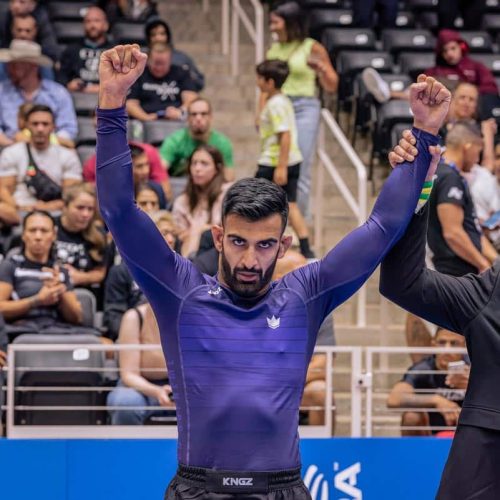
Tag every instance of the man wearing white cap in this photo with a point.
(24, 84)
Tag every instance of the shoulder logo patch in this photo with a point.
(215, 291)
(273, 322)
(456, 193)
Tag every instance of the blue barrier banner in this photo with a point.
(333, 469)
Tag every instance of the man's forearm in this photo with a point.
(463, 247)
(284, 141)
(411, 400)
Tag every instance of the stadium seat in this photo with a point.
(68, 11)
(68, 31)
(84, 103)
(428, 21)
(89, 306)
(414, 63)
(405, 20)
(350, 64)
(124, 32)
(320, 19)
(491, 61)
(156, 131)
(396, 41)
(491, 24)
(493, 6)
(76, 370)
(85, 152)
(478, 41)
(339, 39)
(327, 4)
(422, 5)
(86, 132)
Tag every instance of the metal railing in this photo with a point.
(18, 429)
(356, 202)
(374, 390)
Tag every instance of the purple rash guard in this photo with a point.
(238, 369)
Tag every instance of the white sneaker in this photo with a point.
(376, 85)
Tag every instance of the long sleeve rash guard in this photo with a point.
(238, 372)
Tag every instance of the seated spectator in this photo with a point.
(178, 147)
(80, 61)
(81, 246)
(163, 91)
(199, 207)
(17, 165)
(141, 171)
(158, 30)
(128, 10)
(452, 63)
(45, 33)
(147, 198)
(25, 84)
(424, 388)
(121, 291)
(315, 389)
(143, 374)
(23, 133)
(36, 295)
(25, 28)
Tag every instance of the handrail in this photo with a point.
(158, 431)
(357, 204)
(256, 32)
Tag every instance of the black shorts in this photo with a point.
(208, 484)
(293, 179)
(472, 469)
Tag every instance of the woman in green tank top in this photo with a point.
(309, 64)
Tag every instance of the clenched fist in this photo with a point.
(119, 68)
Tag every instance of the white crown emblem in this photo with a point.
(215, 291)
(273, 322)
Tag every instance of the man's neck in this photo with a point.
(202, 137)
(98, 41)
(273, 92)
(451, 156)
(40, 147)
(30, 84)
(39, 259)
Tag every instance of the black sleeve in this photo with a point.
(186, 82)
(414, 378)
(183, 60)
(449, 189)
(7, 272)
(444, 300)
(135, 90)
(4, 340)
(69, 69)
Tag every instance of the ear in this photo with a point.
(218, 236)
(285, 244)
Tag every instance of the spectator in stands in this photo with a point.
(471, 11)
(143, 374)
(81, 246)
(45, 33)
(280, 159)
(23, 133)
(178, 147)
(163, 91)
(158, 31)
(25, 28)
(128, 10)
(309, 62)
(25, 84)
(363, 13)
(315, 388)
(121, 291)
(147, 198)
(61, 166)
(199, 207)
(452, 63)
(80, 61)
(36, 295)
(141, 171)
(424, 388)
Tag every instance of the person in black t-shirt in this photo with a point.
(80, 61)
(426, 387)
(455, 236)
(36, 295)
(81, 246)
(163, 90)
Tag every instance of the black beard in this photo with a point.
(246, 290)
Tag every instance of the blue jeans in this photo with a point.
(124, 396)
(307, 115)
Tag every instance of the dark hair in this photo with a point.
(39, 108)
(43, 213)
(294, 18)
(274, 69)
(214, 188)
(144, 186)
(154, 23)
(255, 199)
(136, 151)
